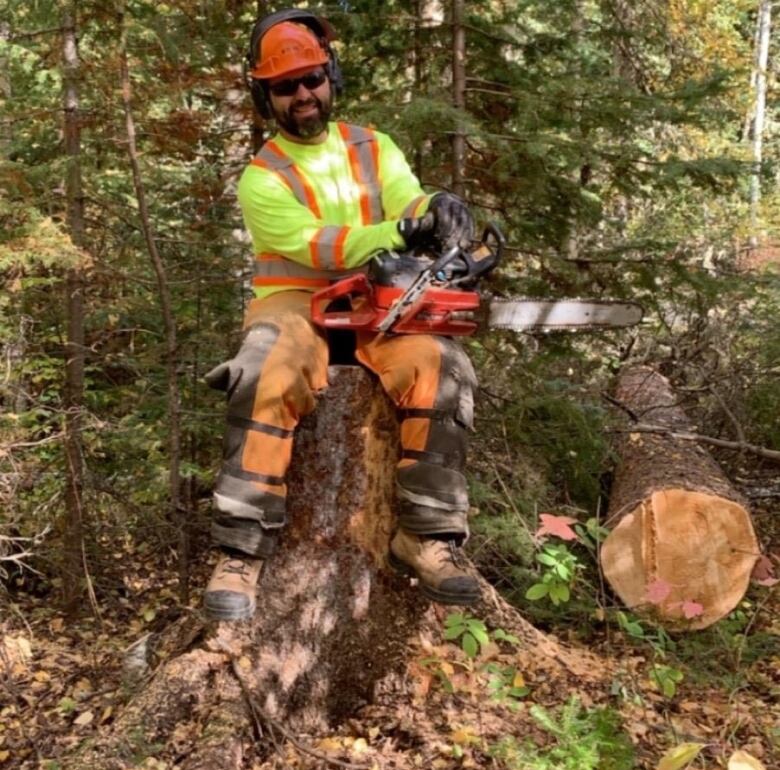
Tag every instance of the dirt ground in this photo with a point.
(62, 681)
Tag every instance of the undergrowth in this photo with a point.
(581, 739)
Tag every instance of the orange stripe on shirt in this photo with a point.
(338, 248)
(375, 158)
(260, 280)
(308, 191)
(314, 250)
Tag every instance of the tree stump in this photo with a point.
(674, 515)
(333, 626)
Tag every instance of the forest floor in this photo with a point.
(62, 681)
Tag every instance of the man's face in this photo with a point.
(302, 104)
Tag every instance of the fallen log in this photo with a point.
(334, 627)
(682, 541)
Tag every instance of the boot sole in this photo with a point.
(442, 597)
(223, 613)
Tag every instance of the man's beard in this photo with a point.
(305, 126)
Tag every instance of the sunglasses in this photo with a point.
(288, 87)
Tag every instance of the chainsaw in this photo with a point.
(405, 293)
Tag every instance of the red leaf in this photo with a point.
(692, 609)
(657, 591)
(764, 571)
(558, 526)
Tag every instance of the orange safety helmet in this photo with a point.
(286, 48)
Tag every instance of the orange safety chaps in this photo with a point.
(273, 381)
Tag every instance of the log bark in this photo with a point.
(334, 626)
(674, 515)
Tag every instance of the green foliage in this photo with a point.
(505, 684)
(580, 740)
(559, 571)
(666, 678)
(472, 632)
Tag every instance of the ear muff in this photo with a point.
(319, 26)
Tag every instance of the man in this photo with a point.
(319, 200)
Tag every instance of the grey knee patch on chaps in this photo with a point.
(432, 493)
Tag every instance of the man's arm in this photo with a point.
(279, 224)
(402, 195)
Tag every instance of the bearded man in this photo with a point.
(319, 199)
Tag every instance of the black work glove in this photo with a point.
(454, 225)
(418, 232)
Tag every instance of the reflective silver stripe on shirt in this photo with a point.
(331, 254)
(281, 267)
(363, 140)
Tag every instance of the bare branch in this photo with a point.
(769, 454)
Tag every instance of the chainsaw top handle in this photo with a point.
(478, 262)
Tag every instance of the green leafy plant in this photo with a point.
(505, 684)
(473, 633)
(560, 568)
(666, 678)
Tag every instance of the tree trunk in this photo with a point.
(73, 390)
(334, 628)
(763, 24)
(675, 516)
(458, 98)
(178, 514)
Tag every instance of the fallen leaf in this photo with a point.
(463, 736)
(107, 712)
(331, 745)
(82, 688)
(764, 572)
(741, 760)
(558, 526)
(519, 680)
(41, 676)
(84, 718)
(657, 591)
(692, 609)
(678, 757)
(360, 746)
(4, 755)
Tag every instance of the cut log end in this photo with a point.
(701, 546)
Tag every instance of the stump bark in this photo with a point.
(674, 515)
(333, 625)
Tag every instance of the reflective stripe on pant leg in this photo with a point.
(432, 381)
(271, 384)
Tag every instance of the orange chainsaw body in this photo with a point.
(437, 311)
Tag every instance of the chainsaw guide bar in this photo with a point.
(528, 315)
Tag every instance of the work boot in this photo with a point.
(439, 565)
(230, 594)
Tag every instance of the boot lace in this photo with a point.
(237, 567)
(448, 551)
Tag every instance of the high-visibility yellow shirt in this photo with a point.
(316, 211)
